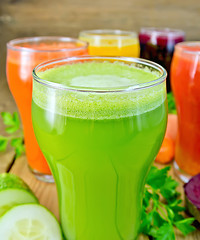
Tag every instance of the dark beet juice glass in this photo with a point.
(158, 45)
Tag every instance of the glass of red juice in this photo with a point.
(157, 44)
(22, 56)
(185, 81)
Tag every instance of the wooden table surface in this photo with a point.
(46, 192)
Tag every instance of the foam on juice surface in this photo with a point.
(91, 79)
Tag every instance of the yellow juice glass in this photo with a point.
(111, 43)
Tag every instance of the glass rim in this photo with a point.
(163, 31)
(128, 88)
(12, 44)
(123, 34)
(180, 46)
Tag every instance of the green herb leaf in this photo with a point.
(171, 103)
(12, 123)
(7, 118)
(146, 222)
(170, 213)
(17, 143)
(158, 221)
(157, 177)
(185, 225)
(147, 197)
(16, 119)
(3, 143)
(166, 232)
(168, 189)
(12, 129)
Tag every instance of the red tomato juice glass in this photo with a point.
(185, 80)
(22, 56)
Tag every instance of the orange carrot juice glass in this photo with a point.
(22, 56)
(111, 43)
(185, 80)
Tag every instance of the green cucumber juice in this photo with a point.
(99, 144)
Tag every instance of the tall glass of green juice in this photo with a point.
(100, 123)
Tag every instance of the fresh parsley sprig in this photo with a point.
(162, 210)
(14, 133)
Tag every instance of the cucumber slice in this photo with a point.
(13, 191)
(29, 222)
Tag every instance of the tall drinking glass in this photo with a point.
(185, 80)
(113, 43)
(22, 56)
(100, 123)
(157, 44)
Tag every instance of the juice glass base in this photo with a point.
(183, 176)
(41, 176)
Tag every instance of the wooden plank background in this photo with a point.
(19, 18)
